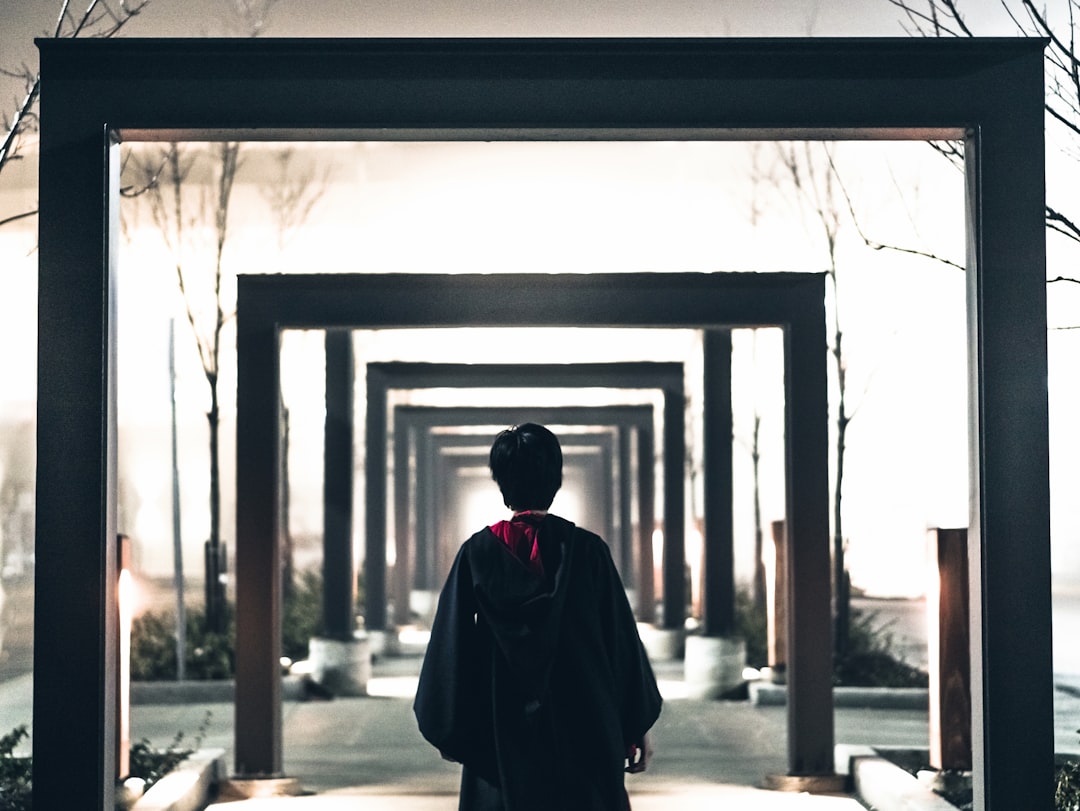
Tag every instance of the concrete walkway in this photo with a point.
(366, 753)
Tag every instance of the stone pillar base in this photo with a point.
(662, 644)
(341, 666)
(383, 643)
(248, 788)
(713, 665)
(808, 784)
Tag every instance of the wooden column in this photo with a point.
(631, 573)
(811, 730)
(719, 542)
(646, 469)
(777, 601)
(375, 503)
(404, 544)
(75, 530)
(1012, 653)
(674, 595)
(339, 570)
(257, 721)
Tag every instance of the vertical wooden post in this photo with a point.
(123, 658)
(674, 565)
(949, 651)
(777, 602)
(339, 570)
(646, 471)
(719, 556)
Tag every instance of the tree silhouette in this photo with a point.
(101, 18)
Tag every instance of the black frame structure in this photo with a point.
(987, 92)
(415, 426)
(595, 460)
(267, 305)
(665, 376)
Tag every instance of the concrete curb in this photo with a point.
(884, 786)
(890, 698)
(205, 692)
(189, 786)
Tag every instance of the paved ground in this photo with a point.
(366, 753)
(707, 753)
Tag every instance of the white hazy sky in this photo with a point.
(21, 20)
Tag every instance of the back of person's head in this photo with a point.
(526, 463)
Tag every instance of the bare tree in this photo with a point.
(291, 197)
(165, 183)
(818, 188)
(101, 18)
(943, 18)
(189, 192)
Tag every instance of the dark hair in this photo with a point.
(526, 463)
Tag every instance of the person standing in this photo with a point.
(535, 678)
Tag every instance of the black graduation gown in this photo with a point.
(537, 685)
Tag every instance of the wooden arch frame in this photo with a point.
(987, 92)
(591, 454)
(667, 377)
(267, 305)
(419, 422)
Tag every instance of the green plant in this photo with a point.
(1067, 790)
(302, 614)
(208, 654)
(751, 624)
(153, 646)
(870, 660)
(146, 762)
(152, 764)
(15, 773)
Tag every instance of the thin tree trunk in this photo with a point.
(758, 584)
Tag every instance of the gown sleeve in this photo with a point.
(637, 694)
(452, 705)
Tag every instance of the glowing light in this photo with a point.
(695, 551)
(125, 598)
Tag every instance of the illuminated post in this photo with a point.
(776, 584)
(949, 646)
(124, 599)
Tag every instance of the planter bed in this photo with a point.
(189, 787)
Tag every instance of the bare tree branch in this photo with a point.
(1062, 60)
(292, 195)
(17, 217)
(1056, 221)
(873, 244)
(102, 18)
(23, 121)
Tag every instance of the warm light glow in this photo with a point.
(125, 598)
(658, 547)
(658, 560)
(695, 550)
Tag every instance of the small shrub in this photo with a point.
(211, 655)
(15, 773)
(152, 764)
(16, 786)
(1067, 790)
(870, 661)
(208, 655)
(153, 646)
(752, 624)
(302, 614)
